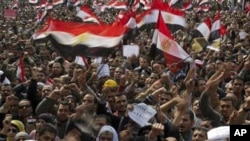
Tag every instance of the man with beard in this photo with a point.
(121, 104)
(186, 124)
(47, 105)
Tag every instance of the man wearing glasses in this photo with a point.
(25, 111)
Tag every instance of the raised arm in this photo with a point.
(205, 107)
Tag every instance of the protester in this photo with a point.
(119, 75)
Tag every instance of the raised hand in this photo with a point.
(156, 130)
(55, 94)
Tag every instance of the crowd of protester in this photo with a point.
(62, 100)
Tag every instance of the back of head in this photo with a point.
(22, 135)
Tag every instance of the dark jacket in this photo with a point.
(208, 112)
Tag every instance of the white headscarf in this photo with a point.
(109, 129)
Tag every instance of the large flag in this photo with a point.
(76, 39)
(164, 41)
(87, 15)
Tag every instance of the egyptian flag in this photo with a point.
(57, 2)
(172, 16)
(215, 36)
(49, 6)
(203, 8)
(135, 5)
(77, 39)
(41, 4)
(120, 5)
(202, 2)
(146, 4)
(121, 14)
(147, 17)
(97, 3)
(187, 6)
(172, 2)
(87, 15)
(175, 18)
(41, 15)
(173, 52)
(128, 20)
(33, 2)
(215, 30)
(20, 70)
(204, 28)
(74, 3)
(115, 4)
(108, 5)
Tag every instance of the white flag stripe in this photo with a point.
(86, 38)
(215, 26)
(79, 60)
(149, 18)
(91, 19)
(131, 23)
(81, 14)
(204, 30)
(173, 19)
